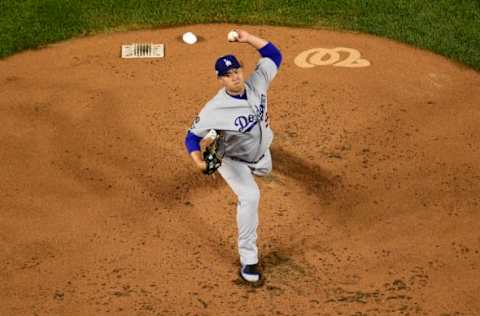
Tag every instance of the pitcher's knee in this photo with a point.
(252, 197)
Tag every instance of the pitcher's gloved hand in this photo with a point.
(212, 161)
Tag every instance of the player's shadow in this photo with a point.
(315, 180)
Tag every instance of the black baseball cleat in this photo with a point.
(250, 273)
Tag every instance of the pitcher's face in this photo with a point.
(233, 81)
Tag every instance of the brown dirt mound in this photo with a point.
(372, 208)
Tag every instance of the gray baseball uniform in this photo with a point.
(245, 143)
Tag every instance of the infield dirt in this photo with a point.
(372, 207)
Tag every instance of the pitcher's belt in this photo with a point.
(249, 162)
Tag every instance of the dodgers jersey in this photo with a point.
(243, 124)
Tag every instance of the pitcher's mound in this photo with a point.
(372, 208)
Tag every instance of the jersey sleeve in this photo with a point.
(192, 142)
(195, 134)
(198, 128)
(264, 73)
(207, 119)
(267, 67)
(213, 115)
(272, 52)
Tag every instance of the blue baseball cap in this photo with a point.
(225, 63)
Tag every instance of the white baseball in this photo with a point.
(212, 134)
(232, 36)
(189, 38)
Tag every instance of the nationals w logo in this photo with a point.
(337, 57)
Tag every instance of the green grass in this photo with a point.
(448, 27)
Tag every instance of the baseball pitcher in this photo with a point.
(232, 134)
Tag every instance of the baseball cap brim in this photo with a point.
(224, 73)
